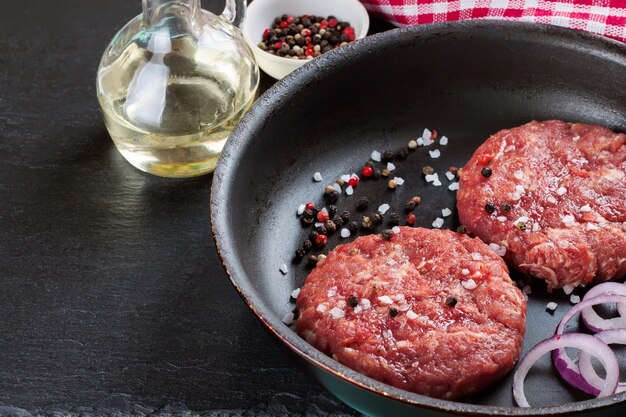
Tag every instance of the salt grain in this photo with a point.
(325, 210)
(317, 177)
(390, 166)
(375, 156)
(345, 178)
(431, 177)
(501, 219)
(387, 334)
(321, 308)
(476, 256)
(283, 269)
(366, 304)
(357, 309)
(450, 176)
(454, 186)
(385, 299)
(427, 134)
(383, 208)
(395, 229)
(561, 190)
(568, 220)
(344, 233)
(465, 271)
(500, 250)
(318, 224)
(349, 190)
(470, 284)
(434, 154)
(398, 180)
(331, 292)
(586, 208)
(438, 223)
(295, 293)
(574, 299)
(301, 209)
(591, 226)
(337, 187)
(446, 212)
(411, 315)
(288, 318)
(536, 227)
(336, 312)
(551, 306)
(519, 175)
(551, 199)
(443, 140)
(568, 289)
(420, 141)
(519, 189)
(437, 183)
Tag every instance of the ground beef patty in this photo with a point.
(566, 187)
(429, 311)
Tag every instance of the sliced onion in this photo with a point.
(596, 323)
(584, 342)
(563, 363)
(613, 336)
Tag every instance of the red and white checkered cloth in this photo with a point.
(603, 17)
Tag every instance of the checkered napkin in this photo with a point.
(603, 17)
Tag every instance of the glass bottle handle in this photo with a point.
(230, 11)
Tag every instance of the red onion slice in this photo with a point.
(613, 336)
(596, 323)
(564, 364)
(584, 342)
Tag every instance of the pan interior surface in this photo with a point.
(467, 81)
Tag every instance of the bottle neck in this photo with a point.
(154, 10)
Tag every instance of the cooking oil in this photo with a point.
(172, 85)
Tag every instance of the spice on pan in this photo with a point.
(451, 302)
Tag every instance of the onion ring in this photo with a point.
(584, 342)
(613, 336)
(596, 323)
(564, 364)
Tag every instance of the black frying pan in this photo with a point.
(467, 80)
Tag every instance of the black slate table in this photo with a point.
(112, 298)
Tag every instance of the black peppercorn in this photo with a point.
(386, 234)
(394, 219)
(307, 245)
(393, 311)
(312, 259)
(486, 172)
(332, 198)
(376, 218)
(462, 230)
(353, 226)
(505, 207)
(369, 163)
(345, 216)
(300, 253)
(353, 301)
(321, 229)
(387, 156)
(402, 154)
(376, 173)
(332, 210)
(331, 227)
(362, 203)
(490, 208)
(409, 206)
(451, 301)
(338, 221)
(313, 235)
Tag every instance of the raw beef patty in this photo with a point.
(429, 311)
(566, 187)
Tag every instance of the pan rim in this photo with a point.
(231, 156)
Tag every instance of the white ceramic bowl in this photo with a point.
(261, 14)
